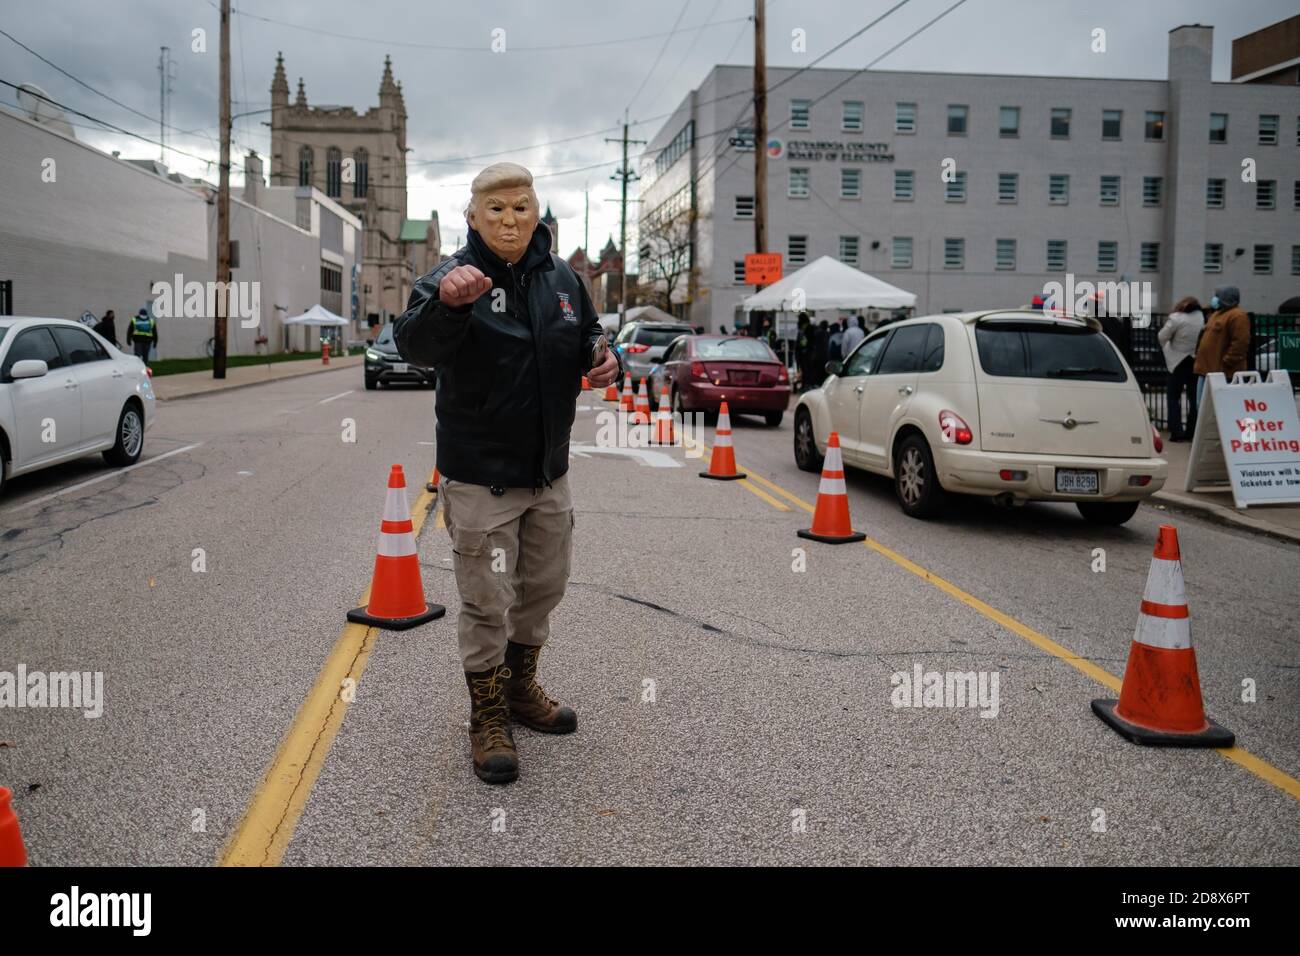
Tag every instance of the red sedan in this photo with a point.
(703, 371)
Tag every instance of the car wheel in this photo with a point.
(773, 418)
(915, 480)
(130, 437)
(806, 456)
(371, 383)
(1107, 512)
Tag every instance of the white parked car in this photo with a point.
(1012, 404)
(66, 392)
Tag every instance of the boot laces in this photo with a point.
(528, 676)
(489, 693)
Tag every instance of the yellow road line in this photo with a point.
(744, 483)
(272, 815)
(1238, 755)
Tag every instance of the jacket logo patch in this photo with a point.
(566, 308)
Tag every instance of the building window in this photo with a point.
(1263, 260)
(1213, 261)
(743, 141)
(1266, 194)
(954, 253)
(361, 174)
(1107, 255)
(744, 207)
(1295, 260)
(1214, 193)
(334, 172)
(1149, 257)
(1056, 255)
(1009, 121)
(798, 186)
(1008, 187)
(1295, 198)
(1110, 190)
(1155, 125)
(901, 253)
(1268, 126)
(800, 114)
(1060, 124)
(850, 183)
(1152, 187)
(1006, 254)
(955, 191)
(234, 253)
(904, 117)
(904, 184)
(957, 116)
(1218, 127)
(851, 118)
(1111, 120)
(681, 145)
(849, 250)
(797, 250)
(1058, 189)
(304, 166)
(738, 272)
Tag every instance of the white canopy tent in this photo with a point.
(320, 317)
(827, 283)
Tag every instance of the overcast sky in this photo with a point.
(464, 100)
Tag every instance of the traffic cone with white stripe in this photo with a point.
(12, 851)
(722, 463)
(664, 422)
(396, 591)
(611, 392)
(831, 517)
(641, 416)
(625, 402)
(1160, 700)
(431, 485)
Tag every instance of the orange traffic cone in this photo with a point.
(831, 518)
(431, 485)
(1160, 700)
(12, 851)
(611, 392)
(722, 463)
(625, 402)
(396, 591)
(641, 416)
(586, 386)
(664, 423)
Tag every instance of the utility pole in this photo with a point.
(165, 77)
(223, 205)
(586, 236)
(625, 174)
(760, 130)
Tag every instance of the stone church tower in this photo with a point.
(359, 161)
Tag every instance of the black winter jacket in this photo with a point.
(509, 366)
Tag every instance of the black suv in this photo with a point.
(384, 364)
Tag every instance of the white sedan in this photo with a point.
(1013, 404)
(66, 392)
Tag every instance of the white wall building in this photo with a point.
(1108, 179)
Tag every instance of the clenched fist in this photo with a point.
(462, 285)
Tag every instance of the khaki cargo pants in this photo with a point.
(511, 554)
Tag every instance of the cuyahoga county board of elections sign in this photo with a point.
(1248, 435)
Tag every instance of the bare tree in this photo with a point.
(665, 258)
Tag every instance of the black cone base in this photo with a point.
(832, 538)
(358, 615)
(1212, 736)
(736, 477)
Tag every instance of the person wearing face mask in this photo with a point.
(510, 329)
(1225, 343)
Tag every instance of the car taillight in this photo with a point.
(783, 375)
(698, 371)
(148, 371)
(954, 429)
(1155, 437)
(638, 348)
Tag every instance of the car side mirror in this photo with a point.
(370, 341)
(29, 368)
(834, 368)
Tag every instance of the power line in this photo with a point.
(655, 65)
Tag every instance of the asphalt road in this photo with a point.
(733, 707)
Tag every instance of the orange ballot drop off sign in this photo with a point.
(762, 268)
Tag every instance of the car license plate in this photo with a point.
(743, 378)
(400, 367)
(1076, 482)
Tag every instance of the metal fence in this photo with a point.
(1269, 349)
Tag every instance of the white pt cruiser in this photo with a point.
(1013, 404)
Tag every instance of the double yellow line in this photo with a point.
(1244, 758)
(272, 816)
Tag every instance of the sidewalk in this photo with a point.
(186, 384)
(1280, 520)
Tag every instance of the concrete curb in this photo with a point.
(1225, 515)
(296, 373)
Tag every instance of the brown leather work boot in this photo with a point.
(495, 757)
(528, 702)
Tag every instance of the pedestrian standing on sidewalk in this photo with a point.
(142, 332)
(107, 327)
(1226, 342)
(510, 330)
(1178, 339)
